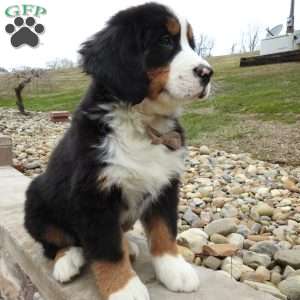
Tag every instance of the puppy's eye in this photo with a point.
(166, 41)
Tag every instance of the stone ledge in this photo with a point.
(27, 254)
(5, 151)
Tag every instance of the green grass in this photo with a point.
(197, 123)
(48, 102)
(56, 90)
(268, 93)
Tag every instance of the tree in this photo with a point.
(233, 48)
(23, 78)
(205, 45)
(60, 63)
(3, 70)
(250, 39)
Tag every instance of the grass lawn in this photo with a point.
(56, 90)
(266, 93)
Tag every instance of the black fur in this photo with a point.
(67, 195)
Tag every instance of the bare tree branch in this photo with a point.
(233, 47)
(205, 45)
(24, 77)
(61, 63)
(250, 39)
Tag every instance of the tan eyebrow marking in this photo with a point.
(173, 26)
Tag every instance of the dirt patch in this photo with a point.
(271, 141)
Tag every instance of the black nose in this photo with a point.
(204, 72)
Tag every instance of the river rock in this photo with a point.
(221, 226)
(220, 250)
(236, 239)
(204, 150)
(264, 273)
(254, 260)
(291, 287)
(212, 262)
(193, 238)
(190, 217)
(289, 257)
(263, 209)
(218, 239)
(266, 288)
(265, 247)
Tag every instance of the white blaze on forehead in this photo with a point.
(182, 82)
(184, 42)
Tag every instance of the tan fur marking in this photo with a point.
(111, 277)
(173, 26)
(158, 80)
(56, 236)
(160, 238)
(60, 253)
(190, 33)
(103, 182)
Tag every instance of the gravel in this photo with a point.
(225, 199)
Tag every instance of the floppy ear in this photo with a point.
(114, 58)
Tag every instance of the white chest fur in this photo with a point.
(137, 166)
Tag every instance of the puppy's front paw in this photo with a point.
(133, 290)
(69, 265)
(175, 273)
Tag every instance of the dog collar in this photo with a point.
(171, 139)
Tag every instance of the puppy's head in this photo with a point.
(147, 52)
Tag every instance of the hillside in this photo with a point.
(253, 109)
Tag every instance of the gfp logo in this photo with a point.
(25, 30)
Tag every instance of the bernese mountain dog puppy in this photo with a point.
(122, 157)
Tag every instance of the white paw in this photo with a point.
(134, 250)
(175, 273)
(133, 290)
(68, 265)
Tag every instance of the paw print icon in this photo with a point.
(24, 33)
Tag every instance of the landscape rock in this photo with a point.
(266, 288)
(187, 254)
(190, 217)
(265, 247)
(291, 287)
(229, 211)
(234, 266)
(263, 272)
(194, 239)
(32, 165)
(254, 260)
(252, 276)
(221, 226)
(275, 277)
(220, 250)
(288, 271)
(204, 150)
(236, 239)
(289, 257)
(264, 209)
(212, 262)
(219, 239)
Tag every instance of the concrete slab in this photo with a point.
(27, 253)
(12, 187)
